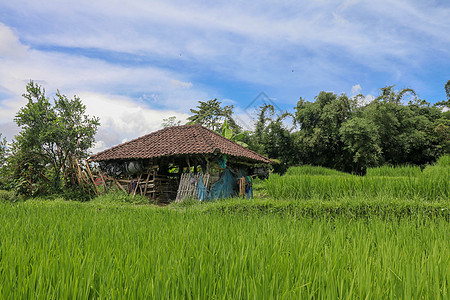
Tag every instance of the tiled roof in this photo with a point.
(178, 140)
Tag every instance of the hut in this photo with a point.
(182, 161)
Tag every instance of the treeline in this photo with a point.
(343, 133)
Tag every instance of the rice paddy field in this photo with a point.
(376, 239)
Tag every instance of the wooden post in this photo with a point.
(80, 177)
(137, 184)
(242, 182)
(188, 163)
(118, 184)
(146, 183)
(92, 178)
(103, 180)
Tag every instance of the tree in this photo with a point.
(272, 139)
(406, 129)
(53, 135)
(171, 121)
(228, 133)
(362, 140)
(3, 158)
(3, 151)
(447, 92)
(319, 138)
(211, 115)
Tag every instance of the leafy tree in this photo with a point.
(3, 158)
(362, 140)
(212, 115)
(406, 130)
(319, 136)
(53, 135)
(272, 139)
(3, 150)
(279, 145)
(228, 133)
(446, 103)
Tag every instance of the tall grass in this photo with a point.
(398, 171)
(433, 184)
(75, 250)
(444, 161)
(313, 170)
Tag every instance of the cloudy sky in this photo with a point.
(135, 63)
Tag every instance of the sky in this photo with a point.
(136, 63)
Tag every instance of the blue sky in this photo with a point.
(134, 64)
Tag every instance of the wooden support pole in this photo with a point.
(154, 185)
(103, 180)
(137, 184)
(80, 177)
(188, 163)
(146, 184)
(118, 184)
(92, 178)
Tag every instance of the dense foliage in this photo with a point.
(52, 140)
(343, 133)
(3, 157)
(212, 115)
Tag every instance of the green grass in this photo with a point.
(444, 161)
(57, 249)
(314, 233)
(433, 184)
(313, 170)
(398, 171)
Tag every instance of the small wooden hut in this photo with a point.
(182, 161)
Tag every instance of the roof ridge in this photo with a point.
(141, 137)
(183, 139)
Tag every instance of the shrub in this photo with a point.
(8, 196)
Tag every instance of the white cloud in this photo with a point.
(10, 46)
(122, 119)
(362, 99)
(236, 34)
(99, 85)
(356, 89)
(180, 84)
(142, 57)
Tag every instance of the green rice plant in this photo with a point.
(120, 198)
(349, 208)
(63, 249)
(313, 170)
(432, 188)
(444, 161)
(397, 171)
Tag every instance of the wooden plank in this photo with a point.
(146, 183)
(103, 180)
(137, 184)
(118, 184)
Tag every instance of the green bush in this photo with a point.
(8, 196)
